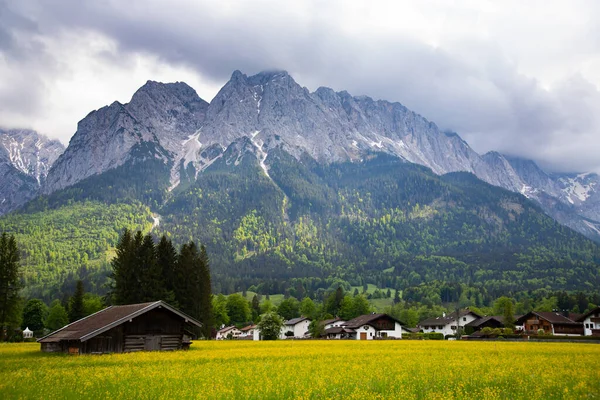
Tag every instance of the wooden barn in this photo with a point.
(117, 329)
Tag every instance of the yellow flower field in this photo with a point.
(310, 370)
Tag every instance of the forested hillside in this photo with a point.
(302, 227)
(76, 241)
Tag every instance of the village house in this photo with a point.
(250, 332)
(295, 328)
(228, 332)
(373, 326)
(448, 324)
(552, 323)
(591, 322)
(491, 321)
(126, 328)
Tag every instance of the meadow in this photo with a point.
(310, 370)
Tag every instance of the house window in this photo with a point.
(453, 327)
(464, 318)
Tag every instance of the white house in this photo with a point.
(229, 332)
(591, 322)
(250, 332)
(297, 326)
(331, 323)
(374, 326)
(448, 324)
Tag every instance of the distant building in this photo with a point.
(250, 332)
(127, 328)
(374, 326)
(295, 328)
(591, 322)
(448, 324)
(229, 332)
(552, 323)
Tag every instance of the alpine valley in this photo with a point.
(292, 190)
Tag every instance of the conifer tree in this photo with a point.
(151, 283)
(76, 309)
(167, 261)
(123, 269)
(206, 316)
(9, 283)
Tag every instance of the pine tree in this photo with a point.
(151, 283)
(9, 283)
(167, 261)
(76, 309)
(206, 315)
(187, 280)
(123, 265)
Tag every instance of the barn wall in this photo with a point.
(156, 330)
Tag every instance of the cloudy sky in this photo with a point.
(520, 77)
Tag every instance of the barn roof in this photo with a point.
(95, 324)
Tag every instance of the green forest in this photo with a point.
(305, 228)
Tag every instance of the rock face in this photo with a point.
(270, 110)
(164, 114)
(25, 159)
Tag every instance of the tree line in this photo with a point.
(143, 271)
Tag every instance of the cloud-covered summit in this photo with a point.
(520, 80)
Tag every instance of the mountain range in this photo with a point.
(167, 148)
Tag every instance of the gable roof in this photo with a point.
(330, 321)
(552, 317)
(367, 319)
(478, 322)
(227, 328)
(587, 314)
(295, 321)
(248, 328)
(448, 319)
(97, 323)
(337, 329)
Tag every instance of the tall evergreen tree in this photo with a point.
(76, 308)
(151, 283)
(206, 315)
(167, 261)
(187, 281)
(123, 265)
(9, 283)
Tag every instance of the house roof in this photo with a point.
(587, 314)
(330, 321)
(552, 317)
(448, 319)
(227, 328)
(337, 329)
(247, 328)
(295, 321)
(367, 319)
(478, 322)
(97, 323)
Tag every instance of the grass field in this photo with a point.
(310, 370)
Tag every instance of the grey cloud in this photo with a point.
(477, 92)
